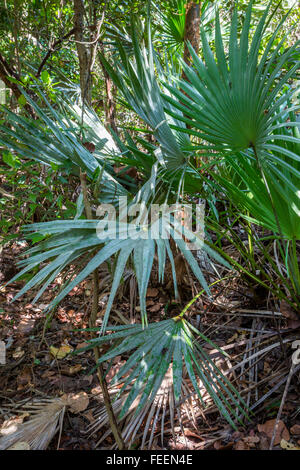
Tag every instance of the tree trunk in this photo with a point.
(83, 52)
(109, 104)
(191, 33)
(192, 29)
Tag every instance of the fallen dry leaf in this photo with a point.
(89, 415)
(18, 353)
(189, 433)
(295, 429)
(152, 292)
(241, 445)
(24, 378)
(114, 368)
(264, 442)
(25, 326)
(77, 401)
(251, 440)
(73, 370)
(155, 308)
(10, 425)
(43, 306)
(48, 373)
(293, 324)
(287, 311)
(82, 345)
(96, 390)
(288, 445)
(268, 429)
(219, 446)
(60, 353)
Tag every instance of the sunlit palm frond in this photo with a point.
(54, 139)
(155, 348)
(150, 422)
(233, 103)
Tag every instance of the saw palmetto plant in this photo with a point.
(229, 124)
(154, 383)
(239, 106)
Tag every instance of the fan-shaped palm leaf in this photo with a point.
(53, 139)
(234, 104)
(155, 348)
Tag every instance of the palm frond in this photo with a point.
(233, 104)
(155, 348)
(135, 78)
(71, 239)
(46, 418)
(54, 139)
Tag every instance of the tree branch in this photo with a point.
(55, 46)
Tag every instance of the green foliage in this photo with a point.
(28, 197)
(156, 347)
(240, 108)
(171, 25)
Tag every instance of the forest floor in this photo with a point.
(39, 363)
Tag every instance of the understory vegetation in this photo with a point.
(127, 105)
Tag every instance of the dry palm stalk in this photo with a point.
(46, 419)
(270, 392)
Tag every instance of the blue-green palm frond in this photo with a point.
(72, 239)
(135, 78)
(54, 139)
(155, 348)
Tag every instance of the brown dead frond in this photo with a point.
(45, 420)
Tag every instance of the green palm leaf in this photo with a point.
(53, 140)
(233, 104)
(155, 348)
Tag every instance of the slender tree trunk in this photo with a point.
(191, 33)
(109, 104)
(82, 51)
(87, 48)
(192, 29)
(16, 26)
